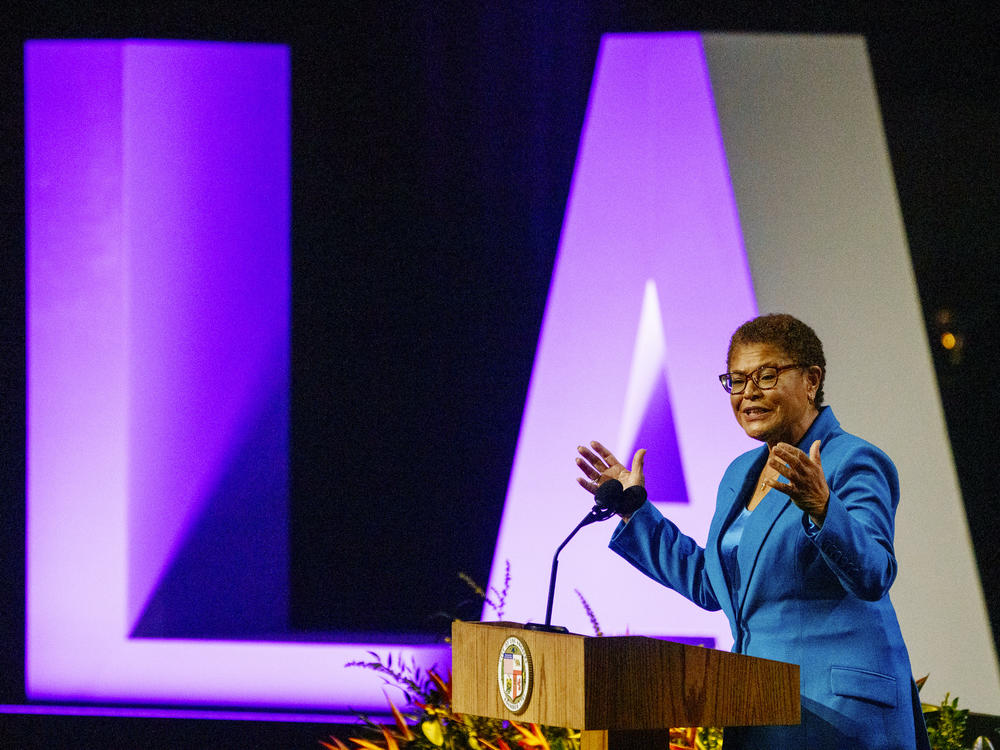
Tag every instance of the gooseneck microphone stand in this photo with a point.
(602, 510)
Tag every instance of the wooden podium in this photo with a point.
(624, 692)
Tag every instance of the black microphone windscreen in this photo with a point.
(631, 500)
(609, 494)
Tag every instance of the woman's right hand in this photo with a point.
(599, 465)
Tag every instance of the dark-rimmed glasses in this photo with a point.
(764, 377)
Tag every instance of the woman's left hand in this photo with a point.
(806, 484)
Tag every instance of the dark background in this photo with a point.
(433, 146)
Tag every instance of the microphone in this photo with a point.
(610, 498)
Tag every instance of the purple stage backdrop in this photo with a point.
(158, 365)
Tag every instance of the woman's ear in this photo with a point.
(814, 374)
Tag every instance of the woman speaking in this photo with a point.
(799, 553)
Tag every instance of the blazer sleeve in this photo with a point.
(856, 538)
(654, 545)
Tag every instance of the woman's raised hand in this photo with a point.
(598, 465)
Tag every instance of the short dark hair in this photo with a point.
(789, 334)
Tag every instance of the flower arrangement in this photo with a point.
(427, 721)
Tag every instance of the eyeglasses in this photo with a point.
(765, 378)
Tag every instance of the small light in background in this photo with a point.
(949, 334)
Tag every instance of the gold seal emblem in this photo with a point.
(514, 674)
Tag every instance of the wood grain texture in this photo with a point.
(622, 683)
(557, 693)
(634, 682)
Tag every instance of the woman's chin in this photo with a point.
(756, 429)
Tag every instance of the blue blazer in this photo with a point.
(816, 597)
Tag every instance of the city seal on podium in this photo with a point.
(514, 674)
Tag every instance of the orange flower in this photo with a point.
(445, 687)
(532, 737)
(404, 728)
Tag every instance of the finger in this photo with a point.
(594, 460)
(589, 486)
(638, 460)
(789, 454)
(604, 453)
(784, 487)
(587, 469)
(780, 466)
(814, 453)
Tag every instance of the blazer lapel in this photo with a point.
(755, 535)
(733, 498)
(728, 499)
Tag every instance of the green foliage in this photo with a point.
(494, 599)
(947, 726)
